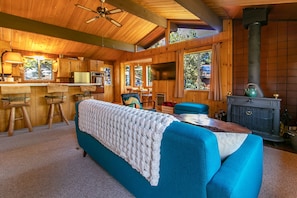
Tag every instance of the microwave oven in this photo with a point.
(97, 77)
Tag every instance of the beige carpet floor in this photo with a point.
(49, 163)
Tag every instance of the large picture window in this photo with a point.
(38, 68)
(197, 70)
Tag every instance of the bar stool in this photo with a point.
(56, 97)
(13, 98)
(86, 92)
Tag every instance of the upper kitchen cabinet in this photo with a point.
(78, 66)
(66, 66)
(95, 65)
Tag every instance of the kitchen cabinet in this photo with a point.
(66, 66)
(78, 66)
(95, 65)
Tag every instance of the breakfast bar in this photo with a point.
(38, 108)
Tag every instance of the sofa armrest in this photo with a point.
(241, 173)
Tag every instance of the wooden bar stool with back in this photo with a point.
(56, 97)
(13, 98)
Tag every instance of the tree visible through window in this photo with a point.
(38, 68)
(183, 34)
(142, 76)
(138, 76)
(197, 70)
(127, 75)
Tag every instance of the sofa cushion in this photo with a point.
(229, 142)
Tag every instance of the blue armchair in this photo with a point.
(133, 100)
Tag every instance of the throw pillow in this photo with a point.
(229, 142)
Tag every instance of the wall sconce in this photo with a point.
(10, 57)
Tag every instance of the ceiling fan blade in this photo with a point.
(92, 19)
(113, 21)
(114, 11)
(85, 8)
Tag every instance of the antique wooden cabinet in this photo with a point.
(261, 115)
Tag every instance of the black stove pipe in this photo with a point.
(254, 53)
(253, 19)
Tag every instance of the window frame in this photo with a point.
(39, 68)
(131, 74)
(193, 51)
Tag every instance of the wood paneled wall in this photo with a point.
(167, 54)
(278, 62)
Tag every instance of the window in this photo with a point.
(197, 70)
(138, 76)
(127, 75)
(38, 68)
(149, 81)
(183, 34)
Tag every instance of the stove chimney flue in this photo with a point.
(253, 19)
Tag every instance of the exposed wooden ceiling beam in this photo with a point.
(198, 8)
(190, 24)
(19, 23)
(139, 11)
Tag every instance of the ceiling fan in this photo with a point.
(103, 12)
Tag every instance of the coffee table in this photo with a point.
(212, 124)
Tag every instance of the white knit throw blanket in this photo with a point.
(133, 134)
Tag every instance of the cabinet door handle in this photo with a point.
(248, 113)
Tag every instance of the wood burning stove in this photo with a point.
(259, 114)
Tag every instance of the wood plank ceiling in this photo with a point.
(58, 26)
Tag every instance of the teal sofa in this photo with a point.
(190, 165)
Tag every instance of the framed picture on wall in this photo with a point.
(107, 76)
